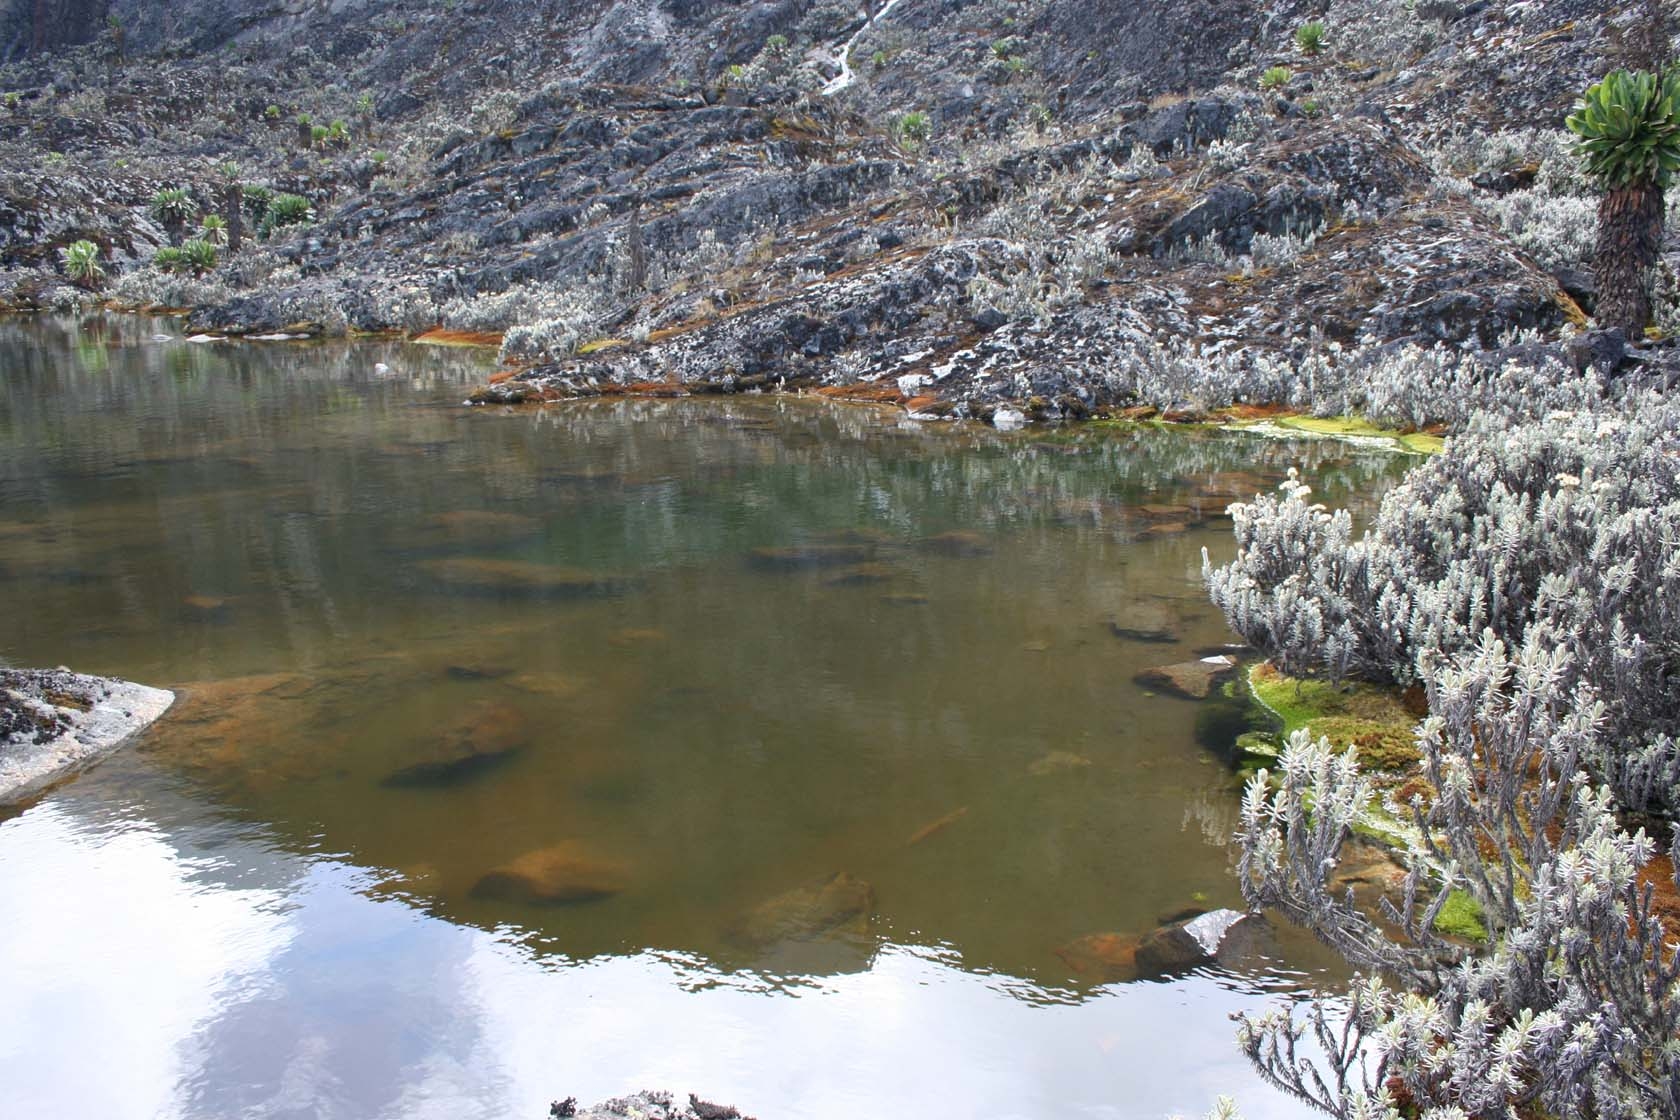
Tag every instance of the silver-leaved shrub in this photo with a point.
(1571, 1008)
(1570, 524)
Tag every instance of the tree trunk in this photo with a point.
(232, 205)
(638, 250)
(1630, 228)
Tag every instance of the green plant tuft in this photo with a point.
(1309, 37)
(81, 263)
(285, 210)
(1629, 129)
(174, 206)
(913, 128)
(198, 255)
(1275, 77)
(214, 229)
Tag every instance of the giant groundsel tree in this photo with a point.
(1629, 129)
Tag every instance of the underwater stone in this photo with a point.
(839, 904)
(1192, 680)
(561, 875)
(485, 739)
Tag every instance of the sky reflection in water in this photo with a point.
(195, 970)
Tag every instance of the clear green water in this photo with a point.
(248, 914)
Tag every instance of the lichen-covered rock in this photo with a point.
(55, 722)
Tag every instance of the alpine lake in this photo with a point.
(783, 751)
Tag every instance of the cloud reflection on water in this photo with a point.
(192, 969)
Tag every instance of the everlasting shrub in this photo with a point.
(1405, 386)
(1567, 526)
(151, 286)
(551, 322)
(1572, 1008)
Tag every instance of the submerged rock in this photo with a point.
(54, 722)
(840, 904)
(928, 831)
(861, 575)
(521, 579)
(803, 557)
(204, 608)
(471, 528)
(1144, 622)
(630, 636)
(485, 739)
(1192, 680)
(1106, 958)
(1057, 762)
(564, 874)
(1214, 936)
(958, 543)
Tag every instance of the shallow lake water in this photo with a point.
(767, 748)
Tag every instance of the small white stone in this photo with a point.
(1008, 419)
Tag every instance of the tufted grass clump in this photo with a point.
(1310, 37)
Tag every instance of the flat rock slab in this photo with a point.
(1193, 680)
(54, 722)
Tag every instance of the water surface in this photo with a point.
(705, 655)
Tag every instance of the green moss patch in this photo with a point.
(1372, 718)
(1351, 428)
(1461, 917)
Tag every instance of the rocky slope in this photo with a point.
(999, 201)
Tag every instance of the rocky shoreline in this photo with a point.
(54, 723)
(991, 216)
